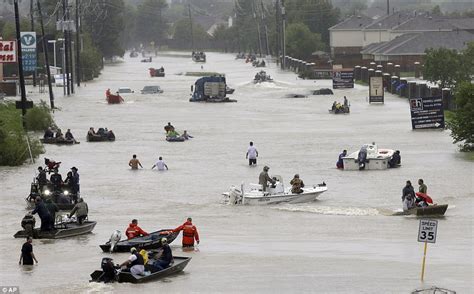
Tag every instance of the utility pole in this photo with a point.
(278, 30)
(283, 41)
(78, 46)
(266, 29)
(258, 29)
(191, 25)
(69, 37)
(32, 29)
(23, 103)
(45, 51)
(66, 47)
(388, 7)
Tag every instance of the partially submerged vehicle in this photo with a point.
(291, 95)
(156, 72)
(261, 77)
(275, 194)
(210, 89)
(101, 135)
(148, 59)
(198, 56)
(151, 273)
(369, 157)
(59, 141)
(152, 241)
(151, 90)
(323, 91)
(63, 229)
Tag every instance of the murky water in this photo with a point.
(345, 242)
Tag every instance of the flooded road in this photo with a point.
(345, 242)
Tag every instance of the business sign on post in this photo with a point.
(427, 113)
(342, 78)
(28, 50)
(427, 230)
(376, 90)
(7, 51)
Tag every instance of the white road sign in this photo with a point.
(427, 230)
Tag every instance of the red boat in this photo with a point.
(114, 99)
(157, 72)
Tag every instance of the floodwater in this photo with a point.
(345, 242)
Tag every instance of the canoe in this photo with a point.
(175, 139)
(125, 277)
(432, 210)
(58, 142)
(152, 241)
(62, 230)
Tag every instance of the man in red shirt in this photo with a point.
(190, 233)
(134, 230)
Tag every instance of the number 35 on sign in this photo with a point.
(427, 231)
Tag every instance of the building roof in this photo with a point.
(389, 21)
(418, 43)
(355, 22)
(425, 23)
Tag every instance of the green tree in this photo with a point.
(462, 121)
(150, 23)
(436, 11)
(444, 67)
(182, 32)
(301, 42)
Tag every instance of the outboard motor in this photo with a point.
(114, 239)
(108, 267)
(362, 158)
(28, 224)
(235, 196)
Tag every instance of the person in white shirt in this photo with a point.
(160, 164)
(252, 154)
(135, 263)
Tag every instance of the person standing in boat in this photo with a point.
(41, 178)
(52, 209)
(57, 180)
(408, 196)
(422, 198)
(134, 162)
(296, 185)
(134, 230)
(252, 154)
(160, 164)
(190, 233)
(81, 210)
(166, 256)
(135, 263)
(340, 161)
(76, 187)
(27, 255)
(264, 178)
(43, 213)
(69, 136)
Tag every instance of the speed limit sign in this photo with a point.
(427, 231)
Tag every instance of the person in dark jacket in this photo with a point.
(166, 256)
(340, 161)
(57, 180)
(75, 187)
(396, 160)
(52, 209)
(408, 196)
(27, 255)
(43, 213)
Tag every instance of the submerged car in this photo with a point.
(151, 90)
(125, 90)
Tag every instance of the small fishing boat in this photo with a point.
(156, 72)
(198, 56)
(175, 139)
(431, 210)
(58, 141)
(151, 274)
(369, 157)
(261, 77)
(152, 241)
(275, 194)
(61, 230)
(101, 136)
(48, 192)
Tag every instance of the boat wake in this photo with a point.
(327, 210)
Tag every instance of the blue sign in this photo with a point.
(28, 50)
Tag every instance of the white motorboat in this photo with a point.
(275, 194)
(369, 157)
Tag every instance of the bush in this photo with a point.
(39, 118)
(13, 139)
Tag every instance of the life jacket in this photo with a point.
(144, 254)
(131, 231)
(138, 261)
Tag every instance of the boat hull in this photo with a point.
(153, 241)
(64, 230)
(283, 198)
(58, 142)
(430, 210)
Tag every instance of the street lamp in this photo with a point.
(54, 48)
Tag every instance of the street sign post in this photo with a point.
(376, 93)
(427, 113)
(427, 234)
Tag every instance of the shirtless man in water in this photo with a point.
(134, 162)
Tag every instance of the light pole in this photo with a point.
(64, 62)
(54, 48)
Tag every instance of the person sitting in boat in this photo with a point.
(110, 134)
(69, 135)
(340, 161)
(69, 181)
(333, 107)
(108, 93)
(172, 134)
(186, 136)
(144, 254)
(166, 256)
(422, 199)
(43, 213)
(395, 160)
(81, 210)
(101, 132)
(190, 233)
(41, 178)
(408, 196)
(135, 263)
(92, 133)
(169, 127)
(296, 185)
(161, 69)
(134, 230)
(57, 180)
(264, 178)
(48, 134)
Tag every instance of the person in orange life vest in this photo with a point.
(134, 230)
(190, 233)
(107, 93)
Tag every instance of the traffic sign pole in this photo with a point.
(423, 265)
